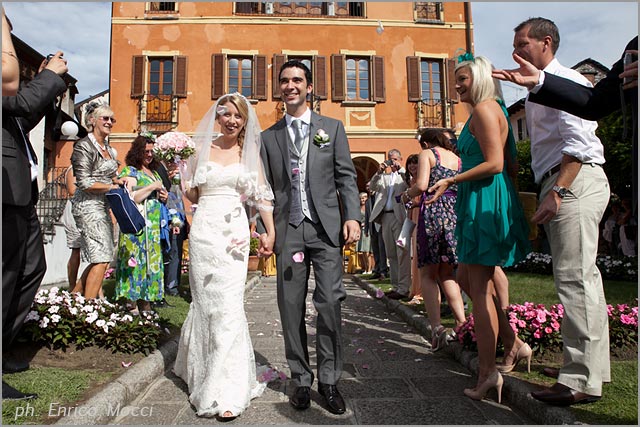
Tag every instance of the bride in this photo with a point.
(215, 356)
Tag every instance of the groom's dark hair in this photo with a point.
(294, 63)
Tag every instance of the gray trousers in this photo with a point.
(292, 279)
(573, 237)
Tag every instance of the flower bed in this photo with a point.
(60, 318)
(540, 327)
(621, 268)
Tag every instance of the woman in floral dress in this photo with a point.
(436, 241)
(139, 272)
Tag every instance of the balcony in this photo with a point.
(158, 113)
(302, 9)
(434, 113)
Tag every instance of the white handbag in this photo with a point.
(404, 239)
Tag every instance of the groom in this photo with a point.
(308, 164)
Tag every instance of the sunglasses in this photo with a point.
(108, 118)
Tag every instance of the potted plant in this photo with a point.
(254, 243)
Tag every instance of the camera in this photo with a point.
(51, 55)
(628, 59)
(388, 163)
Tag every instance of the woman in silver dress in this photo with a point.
(95, 167)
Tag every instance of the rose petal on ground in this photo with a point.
(365, 366)
(360, 351)
(379, 293)
(125, 364)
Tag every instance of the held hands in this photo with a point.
(266, 245)
(527, 75)
(351, 231)
(630, 72)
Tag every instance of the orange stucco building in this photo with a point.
(384, 68)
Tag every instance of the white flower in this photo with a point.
(73, 311)
(32, 315)
(127, 318)
(44, 322)
(55, 318)
(53, 309)
(92, 317)
(100, 323)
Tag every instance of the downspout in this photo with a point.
(467, 25)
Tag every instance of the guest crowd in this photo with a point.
(441, 225)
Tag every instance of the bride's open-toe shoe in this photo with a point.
(226, 416)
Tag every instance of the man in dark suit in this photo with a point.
(592, 103)
(316, 210)
(23, 259)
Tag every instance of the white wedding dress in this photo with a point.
(215, 355)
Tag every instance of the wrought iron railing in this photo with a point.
(158, 113)
(51, 201)
(433, 113)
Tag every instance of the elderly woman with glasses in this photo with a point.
(95, 167)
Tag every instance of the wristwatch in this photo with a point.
(560, 190)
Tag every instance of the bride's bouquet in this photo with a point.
(174, 147)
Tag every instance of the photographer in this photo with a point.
(388, 184)
(23, 259)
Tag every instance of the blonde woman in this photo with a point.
(491, 229)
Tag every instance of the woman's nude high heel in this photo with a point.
(524, 352)
(493, 381)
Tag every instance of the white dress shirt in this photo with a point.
(555, 133)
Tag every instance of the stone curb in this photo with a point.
(515, 390)
(105, 405)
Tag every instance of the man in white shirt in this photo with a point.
(388, 184)
(566, 159)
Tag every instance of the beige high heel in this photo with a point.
(524, 352)
(493, 381)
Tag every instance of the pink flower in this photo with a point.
(298, 257)
(548, 330)
(360, 351)
(379, 293)
(132, 262)
(537, 334)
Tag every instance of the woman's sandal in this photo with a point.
(438, 338)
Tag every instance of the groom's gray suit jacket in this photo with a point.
(330, 171)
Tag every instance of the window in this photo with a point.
(357, 78)
(241, 76)
(161, 7)
(246, 74)
(158, 82)
(317, 65)
(430, 79)
(431, 85)
(311, 8)
(428, 11)
(427, 80)
(161, 76)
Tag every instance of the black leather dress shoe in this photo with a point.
(10, 393)
(301, 398)
(561, 395)
(12, 366)
(551, 372)
(332, 396)
(396, 295)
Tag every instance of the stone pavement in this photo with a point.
(390, 375)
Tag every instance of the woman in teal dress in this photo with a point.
(491, 229)
(139, 272)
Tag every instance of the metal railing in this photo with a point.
(158, 113)
(433, 113)
(51, 201)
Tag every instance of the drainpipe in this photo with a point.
(467, 22)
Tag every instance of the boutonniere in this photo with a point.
(321, 139)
